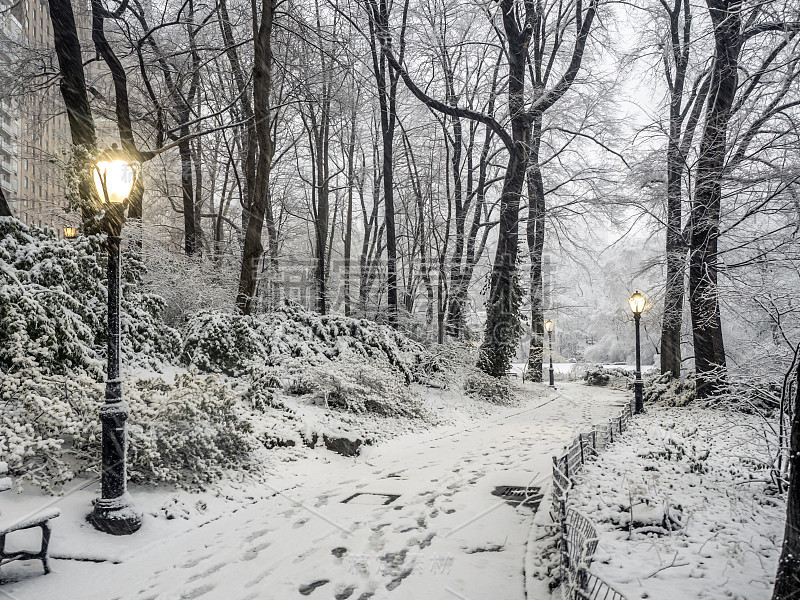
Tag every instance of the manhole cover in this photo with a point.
(371, 499)
(519, 495)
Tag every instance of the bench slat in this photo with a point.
(33, 521)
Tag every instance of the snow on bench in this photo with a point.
(40, 519)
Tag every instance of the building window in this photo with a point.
(26, 183)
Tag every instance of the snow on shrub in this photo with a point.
(357, 386)
(53, 306)
(664, 390)
(188, 431)
(496, 390)
(41, 415)
(602, 376)
(226, 343)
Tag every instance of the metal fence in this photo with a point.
(579, 536)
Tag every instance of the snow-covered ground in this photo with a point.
(291, 535)
(685, 507)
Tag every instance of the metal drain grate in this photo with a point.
(369, 498)
(520, 495)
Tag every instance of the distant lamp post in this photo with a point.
(637, 303)
(549, 327)
(70, 232)
(113, 513)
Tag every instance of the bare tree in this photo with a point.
(518, 19)
(261, 206)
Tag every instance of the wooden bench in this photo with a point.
(38, 519)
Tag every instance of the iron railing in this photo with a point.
(579, 535)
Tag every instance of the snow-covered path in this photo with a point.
(444, 536)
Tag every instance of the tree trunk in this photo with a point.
(676, 265)
(348, 231)
(709, 350)
(249, 136)
(73, 90)
(5, 209)
(262, 82)
(386, 81)
(502, 309)
(187, 194)
(677, 147)
(535, 238)
(787, 581)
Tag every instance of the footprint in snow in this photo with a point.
(339, 552)
(310, 587)
(398, 580)
(253, 552)
(299, 523)
(344, 593)
(194, 562)
(256, 534)
(206, 572)
(422, 543)
(376, 541)
(197, 592)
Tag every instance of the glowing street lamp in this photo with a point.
(637, 303)
(549, 326)
(113, 513)
(70, 232)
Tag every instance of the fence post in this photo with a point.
(611, 431)
(580, 441)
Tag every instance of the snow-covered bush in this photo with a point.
(664, 390)
(221, 342)
(53, 306)
(357, 386)
(601, 376)
(496, 390)
(41, 416)
(188, 431)
(261, 387)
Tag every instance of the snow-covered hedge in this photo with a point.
(53, 306)
(221, 342)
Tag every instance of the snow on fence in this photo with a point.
(579, 536)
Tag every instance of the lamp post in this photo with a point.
(114, 176)
(637, 303)
(549, 327)
(70, 232)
